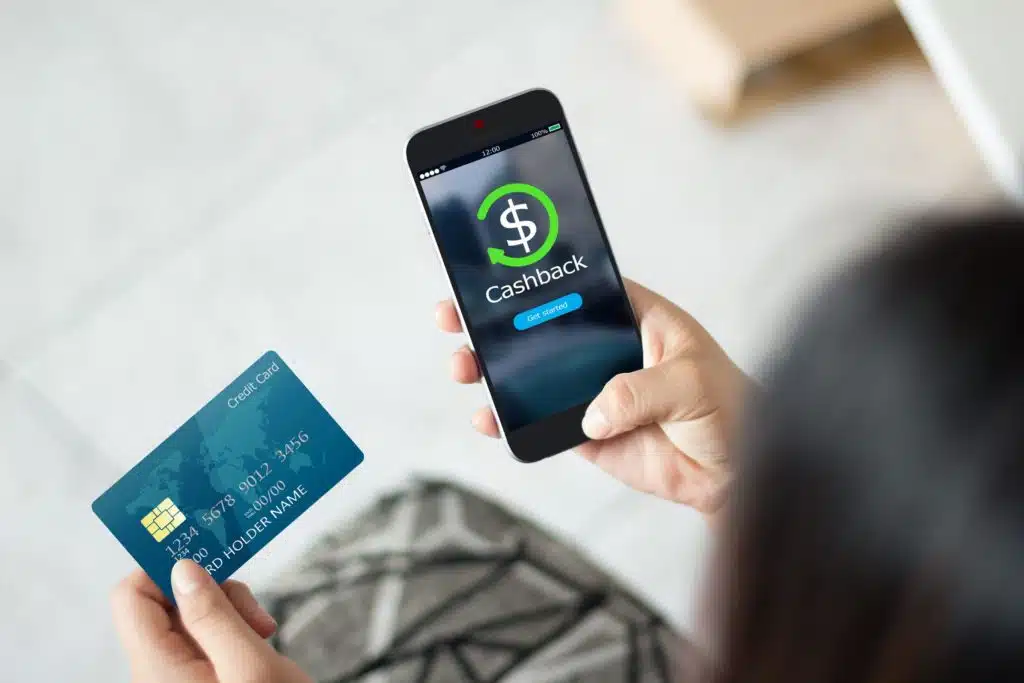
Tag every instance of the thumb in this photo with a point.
(670, 391)
(215, 625)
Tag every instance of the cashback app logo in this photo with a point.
(526, 230)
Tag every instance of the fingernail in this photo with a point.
(187, 577)
(595, 424)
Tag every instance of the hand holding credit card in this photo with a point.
(231, 478)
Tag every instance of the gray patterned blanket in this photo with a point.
(435, 583)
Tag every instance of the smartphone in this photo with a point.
(530, 268)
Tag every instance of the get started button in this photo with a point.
(549, 311)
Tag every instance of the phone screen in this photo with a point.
(535, 278)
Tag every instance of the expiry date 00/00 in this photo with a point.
(263, 500)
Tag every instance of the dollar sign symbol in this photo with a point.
(513, 223)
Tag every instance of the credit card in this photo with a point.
(231, 478)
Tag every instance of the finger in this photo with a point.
(485, 423)
(656, 314)
(670, 391)
(642, 299)
(249, 608)
(465, 369)
(447, 317)
(143, 623)
(209, 617)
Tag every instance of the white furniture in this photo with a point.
(976, 48)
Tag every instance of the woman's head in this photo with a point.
(877, 528)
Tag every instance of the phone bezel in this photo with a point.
(460, 135)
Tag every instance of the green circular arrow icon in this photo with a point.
(498, 255)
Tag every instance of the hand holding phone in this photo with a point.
(663, 430)
(534, 280)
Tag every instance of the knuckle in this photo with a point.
(687, 378)
(234, 591)
(204, 611)
(120, 594)
(258, 669)
(686, 370)
(257, 675)
(622, 399)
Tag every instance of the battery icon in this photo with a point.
(553, 127)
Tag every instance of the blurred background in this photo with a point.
(186, 185)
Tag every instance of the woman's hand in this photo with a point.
(665, 429)
(216, 634)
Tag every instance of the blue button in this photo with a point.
(549, 311)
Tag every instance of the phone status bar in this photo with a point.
(488, 151)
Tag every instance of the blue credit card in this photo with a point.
(231, 478)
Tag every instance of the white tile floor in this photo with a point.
(185, 185)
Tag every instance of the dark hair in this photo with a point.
(876, 531)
